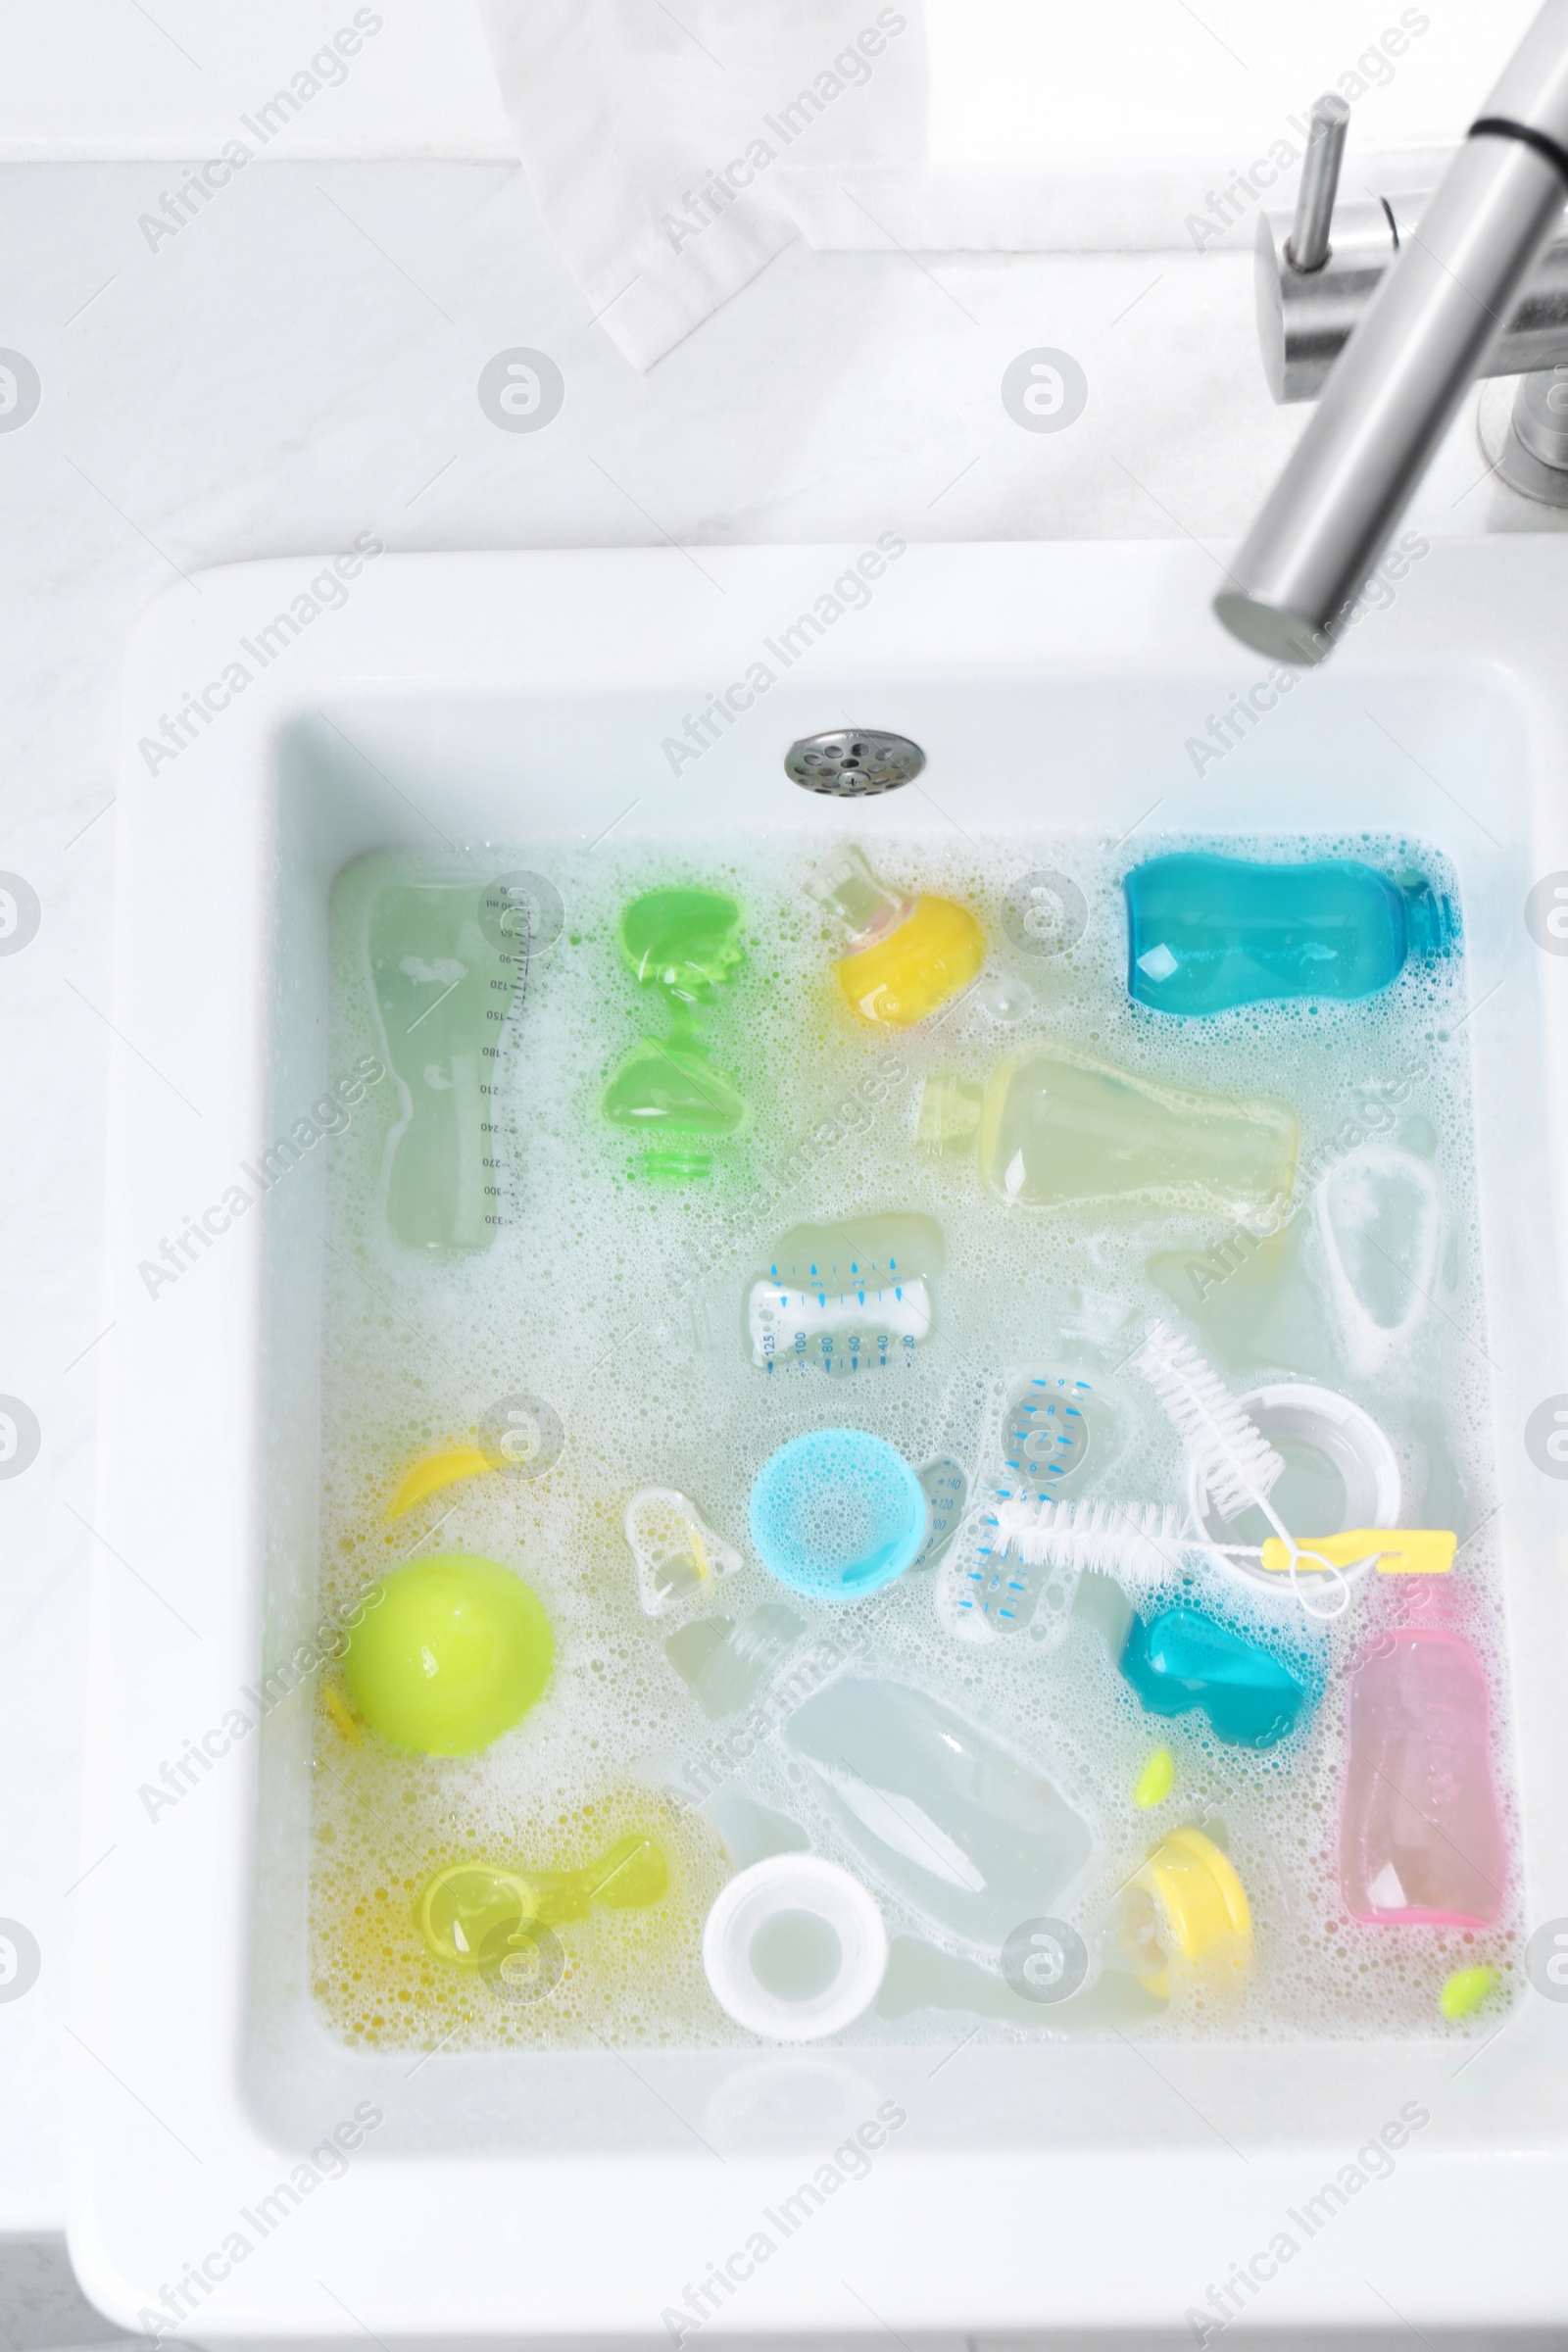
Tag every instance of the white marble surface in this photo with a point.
(172, 78)
(300, 364)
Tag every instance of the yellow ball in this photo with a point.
(452, 1650)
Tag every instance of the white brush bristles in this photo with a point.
(1238, 1464)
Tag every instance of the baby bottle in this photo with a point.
(1056, 1129)
(975, 1836)
(1421, 1836)
(847, 1298)
(442, 988)
(1208, 933)
(903, 958)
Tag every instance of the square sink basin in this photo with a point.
(247, 2170)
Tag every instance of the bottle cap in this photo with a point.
(837, 1514)
(794, 1948)
(1200, 1899)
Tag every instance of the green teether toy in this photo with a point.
(682, 940)
(682, 943)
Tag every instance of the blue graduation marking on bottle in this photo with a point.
(883, 1298)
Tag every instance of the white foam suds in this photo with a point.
(622, 1304)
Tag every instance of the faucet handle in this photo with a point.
(1308, 246)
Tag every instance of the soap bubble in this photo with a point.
(1005, 997)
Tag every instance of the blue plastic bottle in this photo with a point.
(1183, 1658)
(1206, 932)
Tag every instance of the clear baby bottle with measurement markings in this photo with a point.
(1055, 1129)
(859, 1296)
(444, 962)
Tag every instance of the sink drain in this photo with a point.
(853, 762)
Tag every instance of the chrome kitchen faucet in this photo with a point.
(1391, 309)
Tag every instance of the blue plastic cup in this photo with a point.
(837, 1514)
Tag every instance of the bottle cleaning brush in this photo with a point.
(1134, 1543)
(1238, 1464)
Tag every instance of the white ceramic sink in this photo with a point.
(538, 699)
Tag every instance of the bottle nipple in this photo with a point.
(866, 907)
(947, 1120)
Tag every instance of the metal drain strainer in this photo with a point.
(852, 762)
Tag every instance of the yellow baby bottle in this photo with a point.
(905, 957)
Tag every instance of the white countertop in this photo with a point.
(171, 78)
(300, 364)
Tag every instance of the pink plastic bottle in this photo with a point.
(1421, 1838)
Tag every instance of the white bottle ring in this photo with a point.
(1345, 1434)
(760, 1897)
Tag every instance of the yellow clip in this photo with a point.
(1401, 1552)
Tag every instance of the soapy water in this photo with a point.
(621, 1310)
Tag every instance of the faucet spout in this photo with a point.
(1424, 337)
